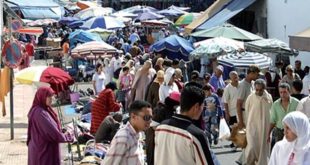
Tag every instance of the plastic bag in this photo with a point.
(224, 130)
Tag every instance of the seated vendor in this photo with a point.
(108, 128)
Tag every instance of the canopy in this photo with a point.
(94, 12)
(148, 16)
(81, 36)
(301, 41)
(233, 7)
(174, 47)
(92, 49)
(68, 20)
(270, 45)
(41, 22)
(124, 14)
(227, 31)
(104, 33)
(31, 30)
(213, 9)
(104, 22)
(139, 9)
(36, 9)
(244, 60)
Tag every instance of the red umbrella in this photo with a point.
(57, 78)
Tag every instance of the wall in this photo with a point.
(288, 17)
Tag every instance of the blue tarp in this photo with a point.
(39, 13)
(36, 9)
(174, 47)
(231, 9)
(81, 36)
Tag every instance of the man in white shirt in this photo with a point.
(230, 99)
(306, 84)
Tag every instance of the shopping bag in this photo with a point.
(224, 130)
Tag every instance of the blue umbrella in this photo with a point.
(67, 20)
(103, 22)
(81, 36)
(148, 16)
(174, 47)
(75, 24)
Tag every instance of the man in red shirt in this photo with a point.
(30, 51)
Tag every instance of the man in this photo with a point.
(284, 105)
(257, 107)
(230, 99)
(296, 89)
(304, 105)
(108, 128)
(245, 88)
(178, 140)
(217, 78)
(126, 147)
(298, 69)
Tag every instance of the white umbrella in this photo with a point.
(94, 12)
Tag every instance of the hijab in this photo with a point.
(299, 124)
(159, 74)
(40, 101)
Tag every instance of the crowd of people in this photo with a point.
(178, 106)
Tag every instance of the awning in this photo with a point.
(301, 41)
(231, 9)
(39, 13)
(213, 9)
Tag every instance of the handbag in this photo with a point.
(238, 136)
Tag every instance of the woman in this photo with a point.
(152, 94)
(294, 149)
(159, 64)
(142, 80)
(98, 79)
(290, 76)
(44, 131)
(103, 105)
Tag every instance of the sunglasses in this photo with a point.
(146, 117)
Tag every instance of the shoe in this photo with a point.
(238, 162)
(216, 142)
(233, 149)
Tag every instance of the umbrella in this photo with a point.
(104, 22)
(91, 49)
(75, 24)
(216, 46)
(56, 77)
(139, 9)
(149, 16)
(172, 11)
(103, 33)
(68, 20)
(227, 31)
(270, 45)
(80, 36)
(124, 14)
(174, 47)
(244, 60)
(186, 19)
(94, 12)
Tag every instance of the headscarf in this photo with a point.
(299, 124)
(159, 74)
(40, 101)
(168, 75)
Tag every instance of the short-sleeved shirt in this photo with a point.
(278, 113)
(229, 97)
(99, 79)
(244, 90)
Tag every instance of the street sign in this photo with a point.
(11, 53)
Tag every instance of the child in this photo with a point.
(125, 86)
(211, 114)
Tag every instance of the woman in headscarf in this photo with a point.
(152, 95)
(159, 64)
(103, 105)
(44, 130)
(169, 85)
(294, 149)
(290, 76)
(143, 78)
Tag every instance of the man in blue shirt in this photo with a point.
(217, 78)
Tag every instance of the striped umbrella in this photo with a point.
(92, 49)
(244, 60)
(186, 19)
(103, 22)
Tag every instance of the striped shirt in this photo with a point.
(125, 149)
(178, 141)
